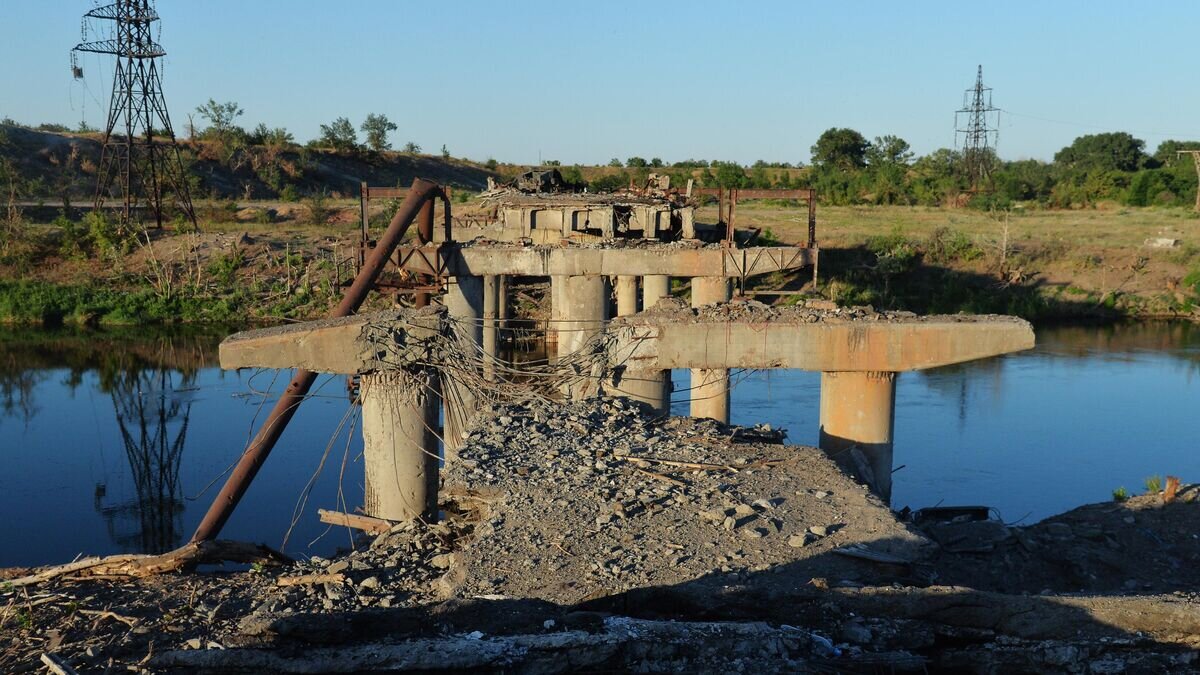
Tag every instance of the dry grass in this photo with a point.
(851, 225)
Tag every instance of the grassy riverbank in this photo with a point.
(259, 262)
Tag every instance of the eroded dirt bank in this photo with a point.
(596, 536)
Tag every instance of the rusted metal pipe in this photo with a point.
(421, 192)
(424, 236)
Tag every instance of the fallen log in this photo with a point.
(144, 565)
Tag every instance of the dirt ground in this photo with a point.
(598, 536)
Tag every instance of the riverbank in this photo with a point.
(271, 262)
(679, 544)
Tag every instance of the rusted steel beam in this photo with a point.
(760, 193)
(256, 453)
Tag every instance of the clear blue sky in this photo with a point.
(584, 82)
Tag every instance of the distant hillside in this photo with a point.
(49, 164)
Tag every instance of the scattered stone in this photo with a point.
(818, 530)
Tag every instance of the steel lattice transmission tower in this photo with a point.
(977, 124)
(140, 157)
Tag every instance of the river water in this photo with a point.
(117, 441)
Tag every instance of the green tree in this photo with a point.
(730, 174)
(635, 163)
(1114, 151)
(889, 150)
(412, 148)
(339, 135)
(376, 127)
(445, 152)
(221, 117)
(615, 162)
(1166, 154)
(656, 162)
(842, 149)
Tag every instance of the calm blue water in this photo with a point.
(109, 442)
(1031, 434)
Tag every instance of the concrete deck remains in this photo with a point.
(674, 259)
(751, 335)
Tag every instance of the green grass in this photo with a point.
(1154, 485)
(46, 303)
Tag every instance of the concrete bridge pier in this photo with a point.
(858, 409)
(400, 444)
(490, 327)
(710, 387)
(583, 311)
(627, 295)
(648, 386)
(464, 303)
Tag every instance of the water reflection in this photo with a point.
(108, 438)
(150, 380)
(153, 412)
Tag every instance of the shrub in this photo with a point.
(319, 210)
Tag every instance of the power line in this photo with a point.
(142, 158)
(973, 122)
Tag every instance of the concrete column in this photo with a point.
(627, 295)
(655, 287)
(657, 390)
(490, 328)
(502, 308)
(558, 300)
(710, 388)
(858, 409)
(648, 386)
(584, 311)
(400, 446)
(464, 301)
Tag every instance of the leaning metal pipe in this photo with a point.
(421, 192)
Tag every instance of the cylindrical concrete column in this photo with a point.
(464, 302)
(502, 308)
(710, 387)
(652, 387)
(655, 287)
(400, 446)
(584, 311)
(627, 295)
(558, 300)
(858, 409)
(491, 329)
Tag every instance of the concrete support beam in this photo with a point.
(627, 295)
(648, 386)
(400, 446)
(801, 340)
(341, 346)
(502, 309)
(655, 287)
(709, 393)
(558, 300)
(858, 411)
(464, 302)
(491, 327)
(583, 313)
(670, 260)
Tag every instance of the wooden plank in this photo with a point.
(357, 521)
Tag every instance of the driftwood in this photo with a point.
(144, 565)
(309, 579)
(367, 524)
(57, 665)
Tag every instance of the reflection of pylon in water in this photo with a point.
(979, 135)
(139, 156)
(146, 407)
